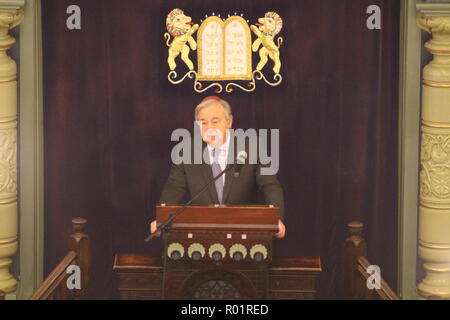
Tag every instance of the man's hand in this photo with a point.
(153, 228)
(281, 230)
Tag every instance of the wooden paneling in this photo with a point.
(140, 277)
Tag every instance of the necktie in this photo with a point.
(216, 171)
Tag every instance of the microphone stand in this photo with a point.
(165, 226)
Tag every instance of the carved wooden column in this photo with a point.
(434, 207)
(354, 247)
(9, 18)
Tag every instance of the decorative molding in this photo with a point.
(437, 73)
(434, 9)
(435, 125)
(30, 143)
(434, 246)
(8, 161)
(436, 85)
(11, 19)
(433, 206)
(11, 15)
(408, 157)
(434, 195)
(433, 24)
(11, 5)
(435, 173)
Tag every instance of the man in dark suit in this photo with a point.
(215, 118)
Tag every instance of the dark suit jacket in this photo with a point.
(241, 190)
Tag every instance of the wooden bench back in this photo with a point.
(356, 269)
(55, 286)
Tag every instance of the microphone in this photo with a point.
(240, 161)
(165, 226)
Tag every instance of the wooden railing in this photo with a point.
(356, 269)
(55, 286)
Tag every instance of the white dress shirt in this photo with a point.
(223, 155)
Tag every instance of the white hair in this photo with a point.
(225, 105)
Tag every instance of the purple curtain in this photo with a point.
(110, 111)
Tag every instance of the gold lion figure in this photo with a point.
(181, 28)
(269, 27)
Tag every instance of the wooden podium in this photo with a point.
(217, 252)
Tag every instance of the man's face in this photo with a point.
(214, 124)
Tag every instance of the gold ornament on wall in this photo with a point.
(181, 29)
(269, 27)
(224, 50)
